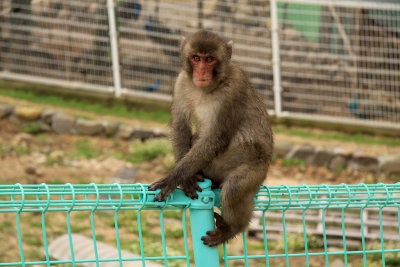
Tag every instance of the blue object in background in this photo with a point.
(153, 87)
(355, 109)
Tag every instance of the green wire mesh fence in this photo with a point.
(358, 226)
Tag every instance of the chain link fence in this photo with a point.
(322, 60)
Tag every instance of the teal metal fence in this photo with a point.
(30, 213)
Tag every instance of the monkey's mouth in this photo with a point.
(202, 82)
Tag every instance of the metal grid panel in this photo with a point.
(332, 60)
(150, 33)
(341, 58)
(65, 40)
(114, 209)
(308, 210)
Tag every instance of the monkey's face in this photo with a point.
(205, 58)
(203, 69)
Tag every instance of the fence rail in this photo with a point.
(116, 201)
(335, 61)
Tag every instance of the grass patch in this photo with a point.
(30, 127)
(115, 109)
(288, 162)
(339, 169)
(79, 228)
(6, 224)
(85, 149)
(149, 150)
(356, 138)
(21, 150)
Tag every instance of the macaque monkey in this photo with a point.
(231, 141)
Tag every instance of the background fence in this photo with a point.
(324, 60)
(31, 217)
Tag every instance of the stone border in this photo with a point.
(59, 122)
(331, 158)
(339, 158)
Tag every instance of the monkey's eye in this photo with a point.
(209, 59)
(196, 58)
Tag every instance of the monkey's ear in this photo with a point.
(183, 43)
(229, 48)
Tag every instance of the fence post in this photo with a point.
(276, 63)
(114, 47)
(201, 221)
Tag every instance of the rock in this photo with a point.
(46, 119)
(31, 169)
(5, 111)
(28, 114)
(63, 123)
(58, 155)
(22, 139)
(363, 162)
(125, 175)
(322, 157)
(160, 133)
(390, 165)
(47, 116)
(304, 152)
(59, 249)
(87, 127)
(110, 128)
(38, 158)
(125, 132)
(281, 149)
(337, 162)
(340, 158)
(143, 135)
(337, 263)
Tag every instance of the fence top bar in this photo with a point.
(91, 197)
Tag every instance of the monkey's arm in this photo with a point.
(202, 152)
(181, 135)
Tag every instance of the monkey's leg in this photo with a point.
(237, 195)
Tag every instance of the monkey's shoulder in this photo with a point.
(181, 83)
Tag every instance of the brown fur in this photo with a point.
(232, 141)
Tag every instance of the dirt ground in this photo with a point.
(20, 151)
(26, 158)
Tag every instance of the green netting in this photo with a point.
(124, 206)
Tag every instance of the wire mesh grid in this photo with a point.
(103, 212)
(322, 60)
(155, 28)
(318, 225)
(340, 58)
(67, 40)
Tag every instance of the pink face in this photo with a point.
(203, 66)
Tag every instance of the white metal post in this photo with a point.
(276, 63)
(114, 47)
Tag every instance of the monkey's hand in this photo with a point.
(167, 185)
(190, 186)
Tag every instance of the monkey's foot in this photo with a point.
(220, 235)
(167, 186)
(190, 186)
